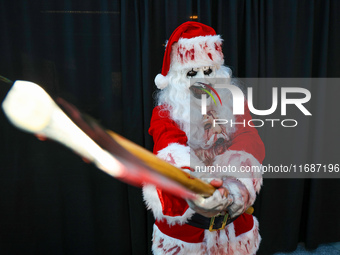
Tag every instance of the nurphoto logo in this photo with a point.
(239, 98)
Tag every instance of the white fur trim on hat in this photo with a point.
(197, 52)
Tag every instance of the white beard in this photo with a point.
(186, 111)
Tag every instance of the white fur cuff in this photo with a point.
(153, 203)
(176, 154)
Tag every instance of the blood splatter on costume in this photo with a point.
(194, 50)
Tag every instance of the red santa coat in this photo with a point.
(171, 234)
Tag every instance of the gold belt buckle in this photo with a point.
(224, 223)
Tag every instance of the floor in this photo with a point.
(324, 249)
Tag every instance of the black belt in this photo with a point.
(213, 224)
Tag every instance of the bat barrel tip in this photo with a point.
(28, 106)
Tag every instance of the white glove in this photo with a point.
(210, 206)
(239, 196)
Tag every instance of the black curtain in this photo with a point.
(103, 56)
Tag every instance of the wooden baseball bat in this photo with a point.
(30, 108)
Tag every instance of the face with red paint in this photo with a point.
(184, 107)
(206, 71)
(203, 74)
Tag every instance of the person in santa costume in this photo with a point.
(187, 139)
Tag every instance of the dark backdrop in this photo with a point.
(103, 56)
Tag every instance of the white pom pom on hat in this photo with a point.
(161, 81)
(199, 45)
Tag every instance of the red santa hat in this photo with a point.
(191, 45)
